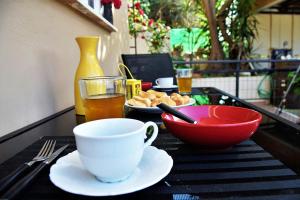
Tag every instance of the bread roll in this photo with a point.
(134, 102)
(146, 101)
(167, 100)
(178, 100)
(151, 91)
(155, 102)
(157, 94)
(175, 95)
(186, 99)
(147, 95)
(152, 98)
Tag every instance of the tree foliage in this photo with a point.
(230, 24)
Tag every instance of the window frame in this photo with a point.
(94, 13)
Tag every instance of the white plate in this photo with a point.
(171, 87)
(69, 174)
(157, 109)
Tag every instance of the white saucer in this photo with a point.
(170, 87)
(69, 174)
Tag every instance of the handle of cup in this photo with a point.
(157, 82)
(154, 134)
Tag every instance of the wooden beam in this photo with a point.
(263, 4)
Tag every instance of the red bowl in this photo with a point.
(146, 86)
(217, 127)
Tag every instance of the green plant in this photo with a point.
(296, 84)
(235, 24)
(178, 48)
(182, 67)
(155, 32)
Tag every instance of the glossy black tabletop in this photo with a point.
(260, 168)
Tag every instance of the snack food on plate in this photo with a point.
(145, 101)
(180, 100)
(136, 103)
(147, 95)
(152, 98)
(157, 94)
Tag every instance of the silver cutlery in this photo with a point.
(23, 182)
(43, 154)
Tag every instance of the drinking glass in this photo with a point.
(103, 97)
(184, 80)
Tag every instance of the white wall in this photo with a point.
(274, 29)
(39, 57)
(296, 38)
(141, 45)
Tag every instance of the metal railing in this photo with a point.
(266, 82)
(236, 70)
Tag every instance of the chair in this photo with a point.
(149, 67)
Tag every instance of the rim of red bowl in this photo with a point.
(164, 114)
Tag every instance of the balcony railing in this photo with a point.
(272, 80)
(233, 68)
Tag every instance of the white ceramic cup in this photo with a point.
(164, 82)
(111, 149)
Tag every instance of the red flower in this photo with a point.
(106, 1)
(141, 11)
(137, 5)
(151, 22)
(117, 3)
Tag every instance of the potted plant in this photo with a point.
(154, 32)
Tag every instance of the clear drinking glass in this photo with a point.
(184, 80)
(103, 97)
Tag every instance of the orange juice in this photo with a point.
(184, 85)
(104, 106)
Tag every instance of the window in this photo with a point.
(93, 10)
(93, 5)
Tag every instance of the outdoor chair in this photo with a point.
(149, 67)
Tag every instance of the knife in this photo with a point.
(22, 183)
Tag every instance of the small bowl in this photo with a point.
(146, 86)
(218, 126)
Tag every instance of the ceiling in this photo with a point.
(278, 6)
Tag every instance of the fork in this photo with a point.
(43, 154)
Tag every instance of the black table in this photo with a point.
(246, 171)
